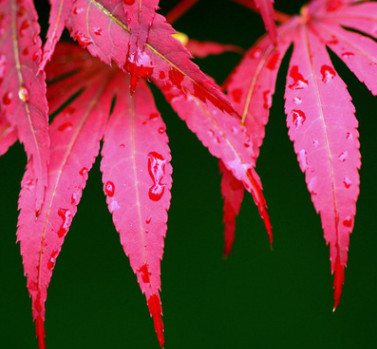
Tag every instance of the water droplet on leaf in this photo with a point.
(343, 156)
(298, 118)
(67, 126)
(303, 159)
(328, 73)
(273, 60)
(66, 216)
(7, 98)
(347, 182)
(83, 171)
(299, 82)
(139, 65)
(267, 99)
(82, 39)
(156, 169)
(236, 95)
(347, 54)
(348, 222)
(145, 274)
(109, 189)
(98, 31)
(23, 94)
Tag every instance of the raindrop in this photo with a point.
(78, 10)
(67, 126)
(98, 31)
(312, 184)
(297, 100)
(145, 274)
(298, 80)
(75, 199)
(255, 52)
(83, 171)
(156, 169)
(234, 130)
(83, 40)
(343, 156)
(348, 222)
(24, 25)
(267, 98)
(347, 182)
(7, 98)
(23, 94)
(273, 61)
(66, 216)
(29, 184)
(347, 54)
(35, 56)
(298, 118)
(176, 77)
(109, 189)
(139, 65)
(303, 158)
(236, 95)
(52, 260)
(328, 73)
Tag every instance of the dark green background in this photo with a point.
(256, 298)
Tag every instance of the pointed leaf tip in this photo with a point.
(40, 332)
(338, 282)
(232, 191)
(154, 305)
(256, 191)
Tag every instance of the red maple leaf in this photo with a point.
(320, 115)
(136, 159)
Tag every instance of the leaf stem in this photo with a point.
(179, 10)
(280, 17)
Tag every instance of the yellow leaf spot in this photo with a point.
(183, 38)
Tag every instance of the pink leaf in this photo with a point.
(224, 137)
(75, 134)
(267, 11)
(362, 17)
(140, 16)
(137, 180)
(59, 13)
(22, 93)
(252, 84)
(169, 60)
(232, 191)
(357, 52)
(203, 49)
(8, 134)
(81, 69)
(328, 6)
(322, 125)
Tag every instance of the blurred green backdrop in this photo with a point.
(256, 298)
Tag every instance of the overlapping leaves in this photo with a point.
(115, 105)
(320, 115)
(118, 108)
